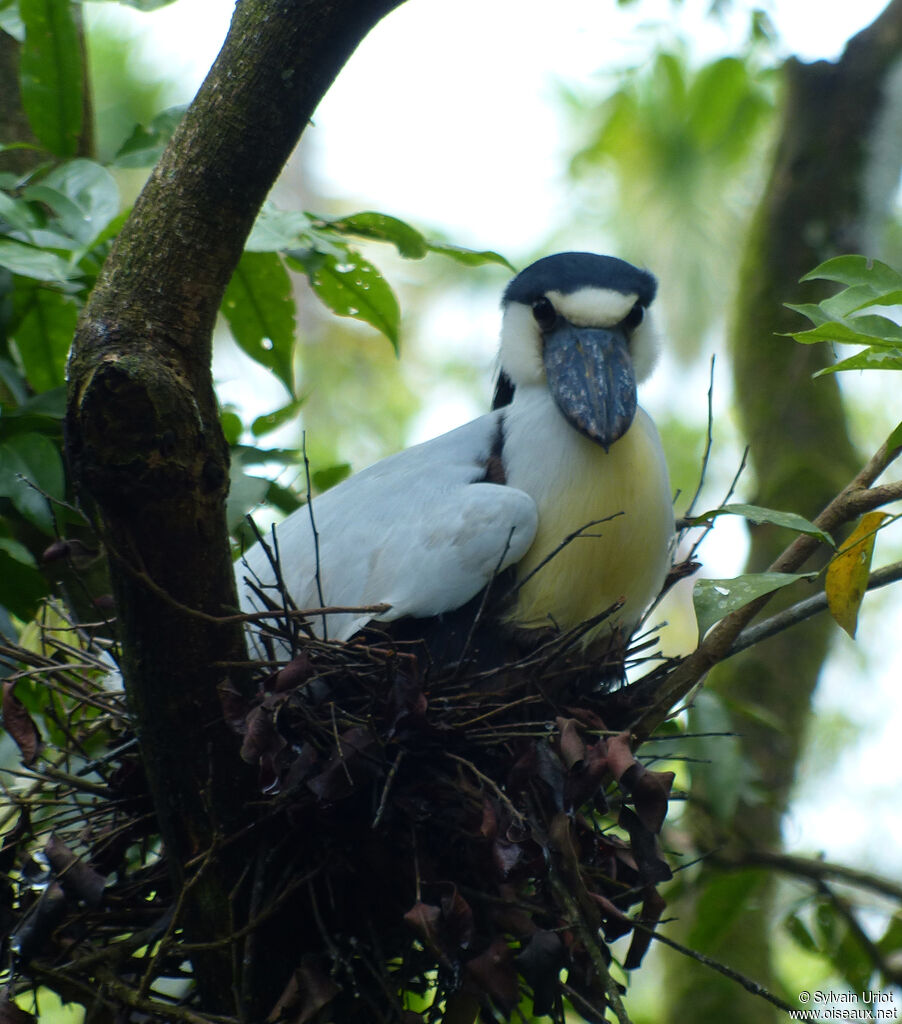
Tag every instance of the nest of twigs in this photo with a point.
(440, 842)
(490, 828)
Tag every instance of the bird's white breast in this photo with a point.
(573, 482)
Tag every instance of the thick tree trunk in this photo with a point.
(143, 436)
(820, 202)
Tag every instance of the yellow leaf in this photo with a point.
(847, 573)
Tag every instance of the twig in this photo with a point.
(747, 983)
(483, 603)
(317, 573)
(502, 796)
(163, 946)
(854, 499)
(893, 975)
(817, 869)
(581, 532)
(589, 937)
(709, 440)
(390, 778)
(710, 524)
(805, 609)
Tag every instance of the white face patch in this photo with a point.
(645, 347)
(521, 340)
(592, 307)
(521, 346)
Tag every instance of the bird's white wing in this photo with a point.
(415, 531)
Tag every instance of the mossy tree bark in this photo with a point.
(143, 438)
(823, 196)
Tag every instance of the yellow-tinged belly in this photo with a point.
(623, 558)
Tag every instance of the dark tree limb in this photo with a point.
(143, 438)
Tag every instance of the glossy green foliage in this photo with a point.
(58, 223)
(852, 316)
(713, 599)
(51, 74)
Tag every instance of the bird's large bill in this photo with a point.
(591, 377)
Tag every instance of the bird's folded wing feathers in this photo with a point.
(417, 531)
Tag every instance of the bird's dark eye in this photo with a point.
(545, 313)
(634, 317)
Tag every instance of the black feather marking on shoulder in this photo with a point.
(495, 472)
(504, 391)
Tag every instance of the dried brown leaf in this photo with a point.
(494, 973)
(652, 907)
(458, 916)
(309, 989)
(620, 754)
(12, 1014)
(540, 964)
(426, 920)
(573, 748)
(616, 923)
(77, 878)
(261, 736)
(651, 792)
(19, 724)
(292, 675)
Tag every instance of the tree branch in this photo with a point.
(143, 439)
(802, 610)
(854, 500)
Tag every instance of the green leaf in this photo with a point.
(146, 5)
(35, 263)
(11, 22)
(45, 326)
(797, 928)
(231, 425)
(18, 215)
(895, 438)
(862, 330)
(323, 479)
(50, 74)
(259, 307)
(271, 421)
(351, 286)
(253, 456)
(83, 195)
(21, 584)
(381, 228)
(853, 962)
(891, 940)
(282, 498)
(756, 514)
(858, 297)
(49, 404)
(811, 310)
(869, 359)
(719, 770)
(27, 459)
(724, 899)
(145, 145)
(276, 230)
(857, 270)
(469, 257)
(17, 551)
(714, 599)
(245, 492)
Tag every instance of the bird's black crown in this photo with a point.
(567, 272)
